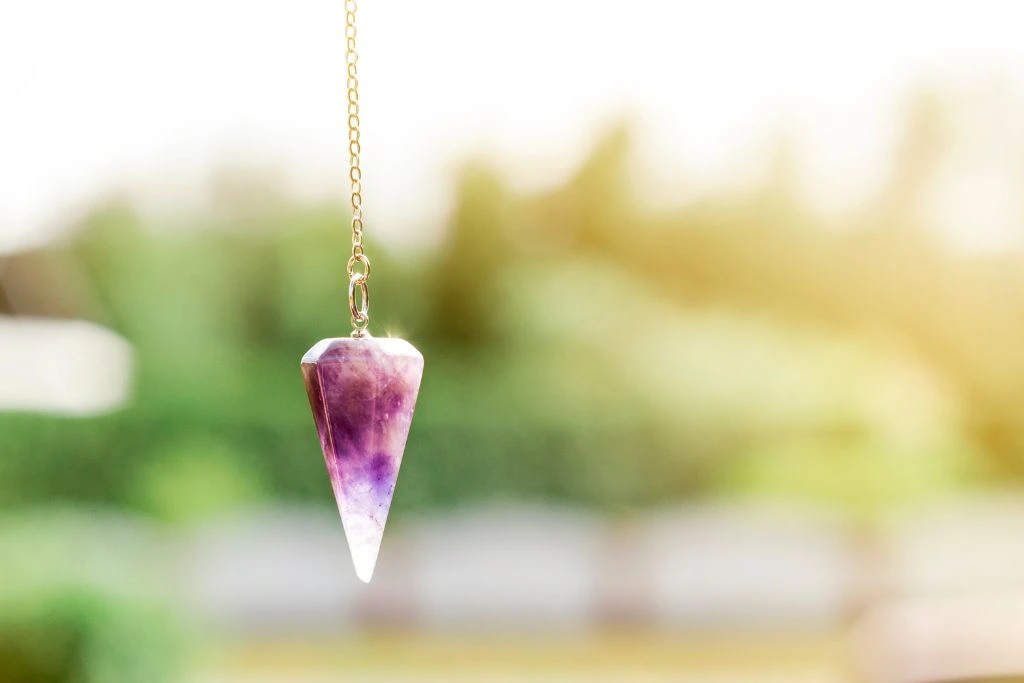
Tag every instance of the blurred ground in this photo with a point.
(752, 593)
(609, 657)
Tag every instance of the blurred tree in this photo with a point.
(471, 261)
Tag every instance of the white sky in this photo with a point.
(151, 96)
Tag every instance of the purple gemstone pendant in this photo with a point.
(363, 391)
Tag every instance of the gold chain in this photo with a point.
(358, 265)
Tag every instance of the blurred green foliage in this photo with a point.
(578, 347)
(72, 610)
(85, 637)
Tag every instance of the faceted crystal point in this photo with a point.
(362, 392)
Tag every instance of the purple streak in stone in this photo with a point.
(363, 392)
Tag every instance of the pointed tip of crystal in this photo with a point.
(365, 565)
(364, 533)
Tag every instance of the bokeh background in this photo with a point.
(722, 306)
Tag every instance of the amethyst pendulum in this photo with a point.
(362, 391)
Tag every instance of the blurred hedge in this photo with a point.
(562, 333)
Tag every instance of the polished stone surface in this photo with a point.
(362, 393)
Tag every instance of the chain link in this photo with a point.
(358, 264)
